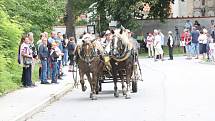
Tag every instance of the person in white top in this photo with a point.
(157, 45)
(170, 44)
(149, 44)
(211, 48)
(107, 42)
(203, 43)
(162, 38)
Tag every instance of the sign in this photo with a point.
(91, 29)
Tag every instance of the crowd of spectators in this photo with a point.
(196, 40)
(52, 53)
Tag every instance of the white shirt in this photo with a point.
(171, 40)
(157, 41)
(202, 38)
(162, 38)
(212, 46)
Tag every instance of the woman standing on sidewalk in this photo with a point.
(34, 50)
(26, 61)
(187, 39)
(157, 46)
(149, 45)
(203, 43)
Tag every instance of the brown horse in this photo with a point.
(90, 64)
(122, 61)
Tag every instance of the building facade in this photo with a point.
(196, 8)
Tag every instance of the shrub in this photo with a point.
(10, 73)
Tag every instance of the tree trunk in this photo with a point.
(69, 19)
(103, 23)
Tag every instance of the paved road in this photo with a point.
(179, 90)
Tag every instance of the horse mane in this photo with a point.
(97, 45)
(123, 35)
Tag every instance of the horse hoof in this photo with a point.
(94, 98)
(97, 92)
(124, 93)
(84, 88)
(91, 95)
(127, 97)
(116, 94)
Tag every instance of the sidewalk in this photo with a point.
(23, 103)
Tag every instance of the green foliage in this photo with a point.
(43, 14)
(160, 9)
(123, 10)
(9, 69)
(81, 23)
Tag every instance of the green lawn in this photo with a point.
(177, 51)
(35, 74)
(7, 86)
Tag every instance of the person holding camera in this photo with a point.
(54, 55)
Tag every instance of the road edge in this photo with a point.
(37, 108)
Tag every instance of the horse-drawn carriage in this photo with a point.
(119, 65)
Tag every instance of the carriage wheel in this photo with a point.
(134, 86)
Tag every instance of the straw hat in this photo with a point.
(107, 32)
(170, 32)
(156, 31)
(205, 31)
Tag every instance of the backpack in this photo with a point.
(71, 46)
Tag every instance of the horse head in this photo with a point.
(87, 52)
(120, 41)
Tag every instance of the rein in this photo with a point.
(125, 56)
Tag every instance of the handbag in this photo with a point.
(27, 61)
(182, 43)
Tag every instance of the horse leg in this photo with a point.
(83, 87)
(128, 80)
(116, 92)
(114, 73)
(91, 86)
(94, 86)
(122, 82)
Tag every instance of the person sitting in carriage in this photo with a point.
(106, 41)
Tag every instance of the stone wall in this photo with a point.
(169, 25)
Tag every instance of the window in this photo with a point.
(203, 2)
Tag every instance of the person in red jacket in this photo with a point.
(182, 42)
(187, 40)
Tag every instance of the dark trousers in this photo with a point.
(71, 59)
(26, 76)
(171, 53)
(185, 49)
(40, 70)
(59, 67)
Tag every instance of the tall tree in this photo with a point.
(102, 23)
(69, 19)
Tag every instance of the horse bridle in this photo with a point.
(116, 48)
(84, 57)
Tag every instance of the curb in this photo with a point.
(37, 108)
